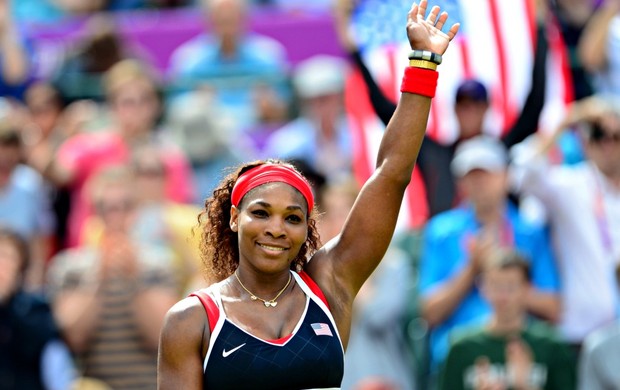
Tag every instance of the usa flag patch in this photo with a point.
(321, 329)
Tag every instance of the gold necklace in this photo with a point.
(268, 303)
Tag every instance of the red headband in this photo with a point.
(269, 173)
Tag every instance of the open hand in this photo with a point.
(425, 33)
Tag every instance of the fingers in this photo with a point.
(453, 30)
(413, 13)
(422, 9)
(432, 17)
(442, 20)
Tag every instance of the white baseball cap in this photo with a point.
(320, 75)
(480, 152)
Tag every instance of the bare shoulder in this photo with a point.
(182, 347)
(185, 325)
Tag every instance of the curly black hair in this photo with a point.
(219, 245)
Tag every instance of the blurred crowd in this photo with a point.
(105, 161)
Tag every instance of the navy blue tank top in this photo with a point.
(312, 357)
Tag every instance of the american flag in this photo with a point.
(321, 329)
(495, 44)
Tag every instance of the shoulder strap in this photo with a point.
(313, 287)
(213, 312)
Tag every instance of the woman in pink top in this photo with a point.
(134, 104)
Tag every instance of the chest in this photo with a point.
(312, 357)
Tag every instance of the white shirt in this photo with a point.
(569, 195)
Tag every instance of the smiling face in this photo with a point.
(272, 225)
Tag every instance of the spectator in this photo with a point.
(509, 352)
(110, 299)
(23, 205)
(320, 136)
(135, 107)
(599, 48)
(471, 108)
(582, 204)
(159, 222)
(600, 356)
(230, 60)
(49, 123)
(573, 16)
(206, 136)
(456, 244)
(32, 354)
(81, 71)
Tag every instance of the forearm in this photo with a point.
(14, 60)
(527, 123)
(544, 305)
(42, 157)
(40, 249)
(442, 303)
(149, 309)
(592, 46)
(403, 137)
(77, 313)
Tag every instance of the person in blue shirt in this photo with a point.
(457, 241)
(231, 60)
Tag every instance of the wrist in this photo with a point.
(425, 55)
(423, 64)
(419, 81)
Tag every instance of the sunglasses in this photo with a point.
(125, 206)
(150, 171)
(598, 135)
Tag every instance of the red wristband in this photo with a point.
(419, 81)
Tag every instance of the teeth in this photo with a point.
(272, 248)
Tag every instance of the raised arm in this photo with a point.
(15, 65)
(345, 263)
(592, 46)
(527, 122)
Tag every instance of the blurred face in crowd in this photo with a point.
(10, 264)
(337, 201)
(136, 106)
(150, 179)
(115, 205)
(227, 18)
(470, 115)
(506, 289)
(484, 189)
(603, 144)
(44, 106)
(324, 110)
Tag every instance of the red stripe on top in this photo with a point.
(313, 287)
(213, 312)
(509, 114)
(281, 340)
